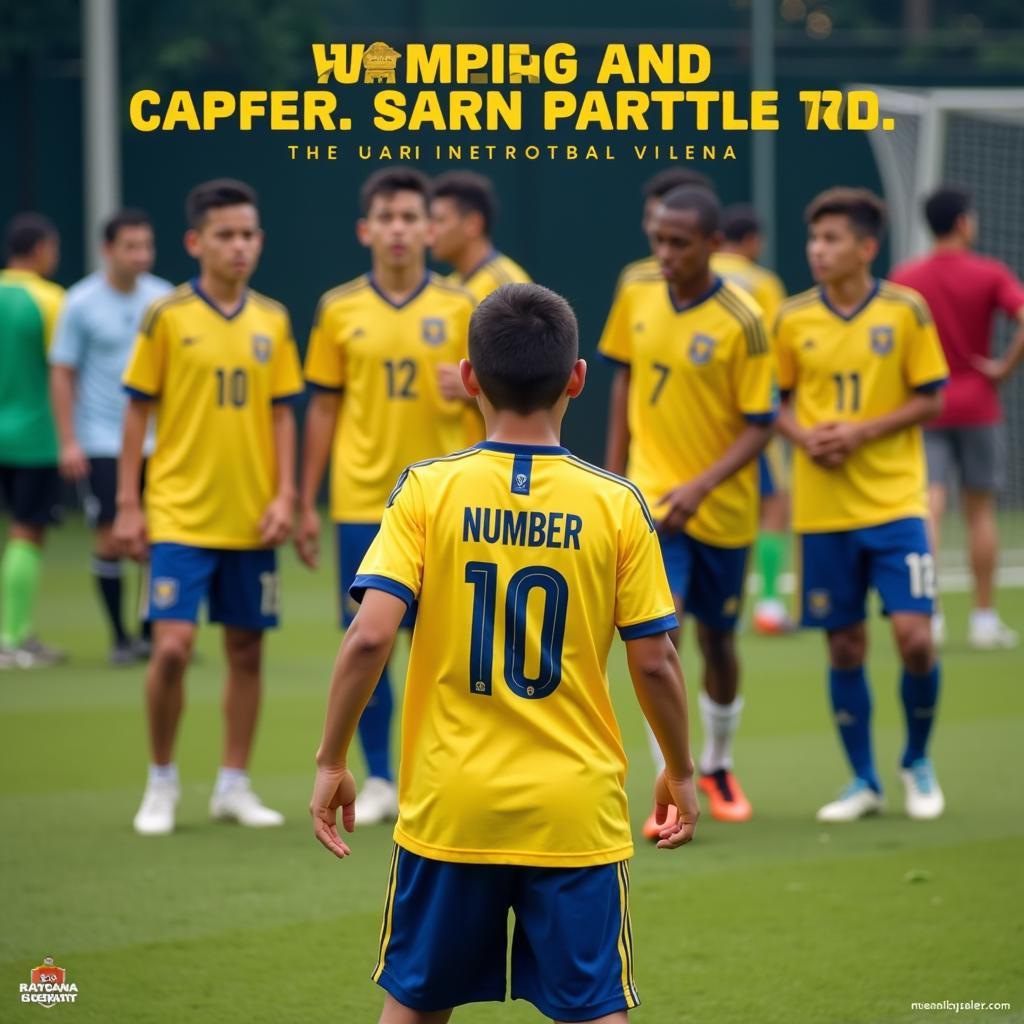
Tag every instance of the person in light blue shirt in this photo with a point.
(94, 338)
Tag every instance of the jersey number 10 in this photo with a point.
(484, 578)
(232, 387)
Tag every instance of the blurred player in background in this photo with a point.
(29, 483)
(464, 210)
(965, 291)
(383, 366)
(524, 560)
(736, 261)
(217, 364)
(692, 405)
(95, 336)
(861, 369)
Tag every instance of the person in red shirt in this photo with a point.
(965, 290)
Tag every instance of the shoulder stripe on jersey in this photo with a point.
(799, 300)
(180, 294)
(449, 286)
(348, 288)
(266, 300)
(921, 311)
(753, 328)
(499, 271)
(628, 484)
(454, 457)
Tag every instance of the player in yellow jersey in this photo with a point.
(523, 560)
(464, 209)
(217, 365)
(736, 261)
(861, 367)
(693, 404)
(383, 366)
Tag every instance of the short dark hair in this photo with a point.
(670, 178)
(866, 212)
(389, 180)
(739, 222)
(944, 207)
(523, 344)
(213, 195)
(702, 201)
(473, 193)
(126, 218)
(25, 231)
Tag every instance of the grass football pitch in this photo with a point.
(780, 919)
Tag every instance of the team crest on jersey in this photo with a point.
(261, 348)
(881, 340)
(165, 591)
(48, 985)
(819, 603)
(702, 348)
(433, 330)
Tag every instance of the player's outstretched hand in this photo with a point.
(276, 524)
(678, 506)
(130, 532)
(682, 793)
(333, 788)
(449, 382)
(307, 537)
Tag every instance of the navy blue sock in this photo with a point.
(375, 729)
(851, 705)
(920, 699)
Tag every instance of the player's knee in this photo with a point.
(915, 645)
(847, 648)
(717, 646)
(244, 650)
(171, 653)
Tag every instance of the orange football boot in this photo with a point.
(652, 830)
(727, 800)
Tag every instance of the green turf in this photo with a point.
(777, 920)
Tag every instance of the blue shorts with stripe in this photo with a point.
(353, 541)
(708, 579)
(240, 587)
(444, 939)
(838, 569)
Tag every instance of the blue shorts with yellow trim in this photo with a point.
(240, 587)
(444, 940)
(838, 569)
(353, 541)
(708, 579)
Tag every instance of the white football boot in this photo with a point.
(377, 802)
(155, 816)
(856, 801)
(239, 803)
(991, 634)
(924, 799)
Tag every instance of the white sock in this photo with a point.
(163, 773)
(720, 724)
(228, 778)
(984, 618)
(656, 755)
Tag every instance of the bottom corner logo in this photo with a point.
(819, 603)
(48, 985)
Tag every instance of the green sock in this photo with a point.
(771, 552)
(19, 585)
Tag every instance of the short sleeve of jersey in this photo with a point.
(286, 374)
(784, 355)
(325, 356)
(616, 343)
(1009, 292)
(50, 300)
(771, 296)
(754, 377)
(643, 602)
(144, 375)
(69, 340)
(394, 562)
(924, 363)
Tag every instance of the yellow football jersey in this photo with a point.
(524, 560)
(384, 358)
(213, 379)
(853, 368)
(759, 282)
(495, 271)
(698, 373)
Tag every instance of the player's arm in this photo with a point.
(658, 681)
(318, 436)
(364, 652)
(617, 446)
(130, 523)
(276, 524)
(998, 370)
(72, 460)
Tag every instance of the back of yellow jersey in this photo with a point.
(764, 287)
(698, 374)
(524, 560)
(213, 379)
(384, 358)
(854, 368)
